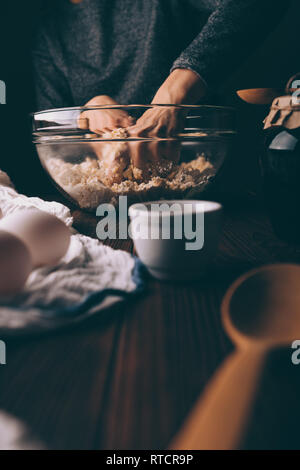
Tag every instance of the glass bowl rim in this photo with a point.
(134, 106)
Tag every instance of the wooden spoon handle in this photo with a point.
(219, 417)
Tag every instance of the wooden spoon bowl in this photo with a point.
(260, 96)
(260, 310)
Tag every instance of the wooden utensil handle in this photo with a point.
(219, 417)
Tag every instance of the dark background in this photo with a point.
(17, 24)
(270, 66)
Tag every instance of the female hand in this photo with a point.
(181, 87)
(153, 158)
(159, 122)
(103, 120)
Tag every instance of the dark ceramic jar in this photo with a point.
(280, 164)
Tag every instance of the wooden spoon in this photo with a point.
(266, 96)
(263, 96)
(260, 310)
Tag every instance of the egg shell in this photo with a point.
(15, 263)
(46, 236)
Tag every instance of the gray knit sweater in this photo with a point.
(126, 48)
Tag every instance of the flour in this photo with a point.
(111, 173)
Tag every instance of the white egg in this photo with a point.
(46, 236)
(15, 263)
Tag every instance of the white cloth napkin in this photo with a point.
(14, 435)
(90, 278)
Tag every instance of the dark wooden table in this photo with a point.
(126, 380)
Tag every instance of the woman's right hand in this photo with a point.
(103, 120)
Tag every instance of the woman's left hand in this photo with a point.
(164, 121)
(181, 87)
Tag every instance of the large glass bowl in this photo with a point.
(94, 167)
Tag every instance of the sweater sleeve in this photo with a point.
(233, 30)
(51, 86)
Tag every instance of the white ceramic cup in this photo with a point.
(176, 240)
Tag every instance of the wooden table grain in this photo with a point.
(127, 379)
